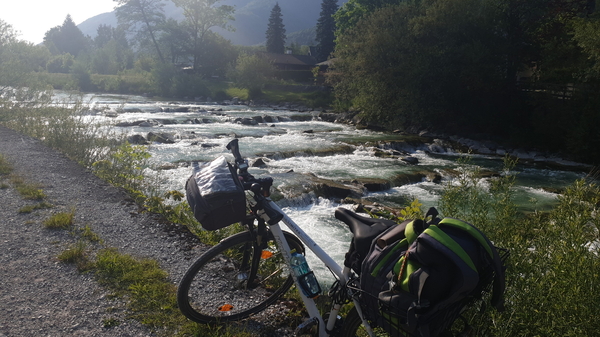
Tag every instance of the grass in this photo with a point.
(27, 190)
(78, 254)
(5, 167)
(62, 220)
(30, 208)
(88, 234)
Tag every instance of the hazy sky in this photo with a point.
(33, 18)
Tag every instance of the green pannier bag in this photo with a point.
(419, 276)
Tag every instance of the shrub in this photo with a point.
(124, 166)
(553, 270)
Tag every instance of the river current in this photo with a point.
(301, 142)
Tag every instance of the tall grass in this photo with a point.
(553, 283)
(67, 129)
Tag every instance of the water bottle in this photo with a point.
(308, 282)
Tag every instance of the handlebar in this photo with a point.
(233, 146)
(261, 187)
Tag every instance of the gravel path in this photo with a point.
(40, 296)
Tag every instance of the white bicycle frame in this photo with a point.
(342, 274)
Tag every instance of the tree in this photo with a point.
(7, 34)
(200, 17)
(112, 53)
(439, 65)
(175, 40)
(17, 60)
(353, 10)
(143, 17)
(326, 29)
(104, 34)
(252, 72)
(276, 32)
(66, 39)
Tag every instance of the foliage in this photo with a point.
(60, 63)
(200, 17)
(5, 166)
(437, 65)
(151, 295)
(17, 60)
(144, 17)
(352, 11)
(81, 75)
(552, 275)
(77, 254)
(480, 201)
(276, 31)
(586, 33)
(65, 129)
(112, 53)
(66, 39)
(7, 33)
(30, 208)
(28, 191)
(252, 72)
(525, 71)
(325, 34)
(124, 167)
(62, 220)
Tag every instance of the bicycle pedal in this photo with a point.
(306, 327)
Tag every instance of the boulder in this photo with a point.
(410, 160)
(164, 138)
(137, 140)
(436, 148)
(374, 184)
(245, 121)
(269, 119)
(408, 178)
(259, 162)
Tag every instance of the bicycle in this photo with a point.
(248, 271)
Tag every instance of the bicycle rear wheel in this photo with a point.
(216, 287)
(353, 327)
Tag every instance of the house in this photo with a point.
(292, 62)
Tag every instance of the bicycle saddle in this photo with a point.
(363, 228)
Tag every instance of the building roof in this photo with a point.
(291, 59)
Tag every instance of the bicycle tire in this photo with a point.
(213, 289)
(353, 327)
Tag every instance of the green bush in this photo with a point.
(60, 63)
(124, 167)
(553, 269)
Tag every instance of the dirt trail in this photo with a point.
(40, 296)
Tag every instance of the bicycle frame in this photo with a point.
(268, 206)
(343, 274)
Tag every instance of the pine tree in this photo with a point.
(276, 32)
(326, 29)
(66, 38)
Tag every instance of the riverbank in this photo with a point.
(39, 295)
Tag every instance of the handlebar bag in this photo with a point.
(215, 194)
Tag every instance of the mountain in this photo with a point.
(251, 18)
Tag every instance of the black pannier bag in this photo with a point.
(418, 276)
(215, 194)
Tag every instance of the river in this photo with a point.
(300, 142)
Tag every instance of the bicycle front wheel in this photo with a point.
(216, 288)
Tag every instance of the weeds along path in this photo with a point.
(41, 296)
